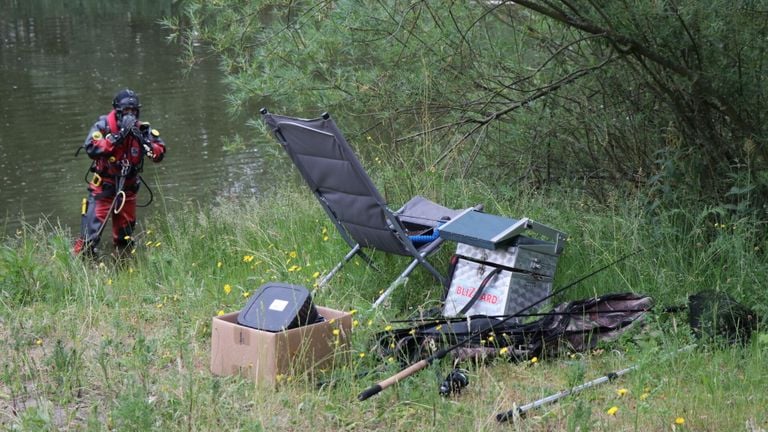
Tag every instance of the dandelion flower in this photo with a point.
(109, 281)
(315, 275)
(534, 360)
(612, 410)
(362, 354)
(220, 313)
(621, 391)
(680, 421)
(219, 264)
(227, 288)
(355, 323)
(39, 342)
(336, 332)
(644, 396)
(246, 294)
(293, 254)
(504, 351)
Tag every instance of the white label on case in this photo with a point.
(278, 305)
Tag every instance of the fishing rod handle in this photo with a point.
(394, 379)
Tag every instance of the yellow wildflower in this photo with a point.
(246, 294)
(220, 313)
(388, 328)
(293, 254)
(227, 288)
(680, 421)
(504, 351)
(315, 275)
(621, 391)
(355, 323)
(336, 332)
(39, 342)
(612, 410)
(362, 354)
(219, 264)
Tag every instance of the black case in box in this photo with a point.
(279, 306)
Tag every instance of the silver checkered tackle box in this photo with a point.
(517, 272)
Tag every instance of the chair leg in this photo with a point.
(404, 276)
(338, 267)
(356, 250)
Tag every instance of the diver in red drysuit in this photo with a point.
(117, 143)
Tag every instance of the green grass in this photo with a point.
(127, 347)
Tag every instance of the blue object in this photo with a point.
(419, 240)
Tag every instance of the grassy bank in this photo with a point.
(127, 347)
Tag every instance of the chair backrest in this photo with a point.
(336, 177)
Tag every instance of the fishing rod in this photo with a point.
(450, 320)
(612, 376)
(421, 364)
(521, 410)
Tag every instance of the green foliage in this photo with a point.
(665, 98)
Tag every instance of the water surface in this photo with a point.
(60, 65)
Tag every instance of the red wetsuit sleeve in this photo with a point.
(96, 143)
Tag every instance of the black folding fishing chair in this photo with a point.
(353, 203)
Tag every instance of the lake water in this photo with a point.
(61, 62)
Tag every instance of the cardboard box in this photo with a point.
(263, 356)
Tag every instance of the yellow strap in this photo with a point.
(96, 180)
(84, 206)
